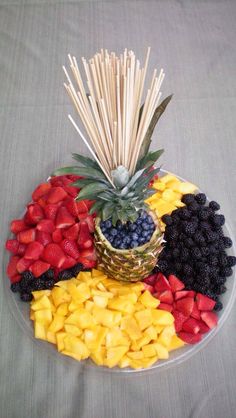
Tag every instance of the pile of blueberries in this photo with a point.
(28, 283)
(130, 234)
(195, 248)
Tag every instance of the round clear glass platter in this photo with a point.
(20, 311)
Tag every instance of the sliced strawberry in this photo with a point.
(16, 278)
(70, 248)
(68, 263)
(71, 190)
(46, 225)
(12, 245)
(148, 287)
(180, 318)
(191, 325)
(185, 306)
(162, 283)
(56, 194)
(90, 254)
(88, 264)
(203, 327)
(204, 303)
(23, 265)
(57, 235)
(27, 236)
(151, 280)
(83, 216)
(11, 267)
(90, 221)
(34, 251)
(210, 319)
(72, 233)
(41, 190)
(165, 307)
(18, 225)
(184, 294)
(50, 211)
(57, 181)
(71, 206)
(195, 312)
(64, 219)
(190, 338)
(73, 177)
(54, 255)
(175, 283)
(85, 239)
(34, 213)
(42, 202)
(39, 267)
(21, 249)
(43, 237)
(165, 297)
(82, 207)
(89, 203)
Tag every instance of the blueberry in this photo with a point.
(126, 240)
(149, 219)
(133, 227)
(116, 243)
(142, 240)
(113, 232)
(138, 230)
(134, 236)
(139, 221)
(122, 246)
(108, 224)
(145, 234)
(134, 244)
(149, 237)
(143, 215)
(145, 226)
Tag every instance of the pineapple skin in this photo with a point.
(130, 265)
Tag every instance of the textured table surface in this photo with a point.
(194, 41)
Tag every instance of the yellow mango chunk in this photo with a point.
(122, 305)
(185, 187)
(166, 335)
(60, 340)
(130, 297)
(98, 356)
(148, 300)
(84, 276)
(136, 355)
(114, 355)
(76, 345)
(116, 337)
(151, 332)
(81, 318)
(137, 345)
(144, 318)
(73, 329)
(32, 317)
(103, 316)
(51, 337)
(161, 351)
(159, 185)
(98, 273)
(162, 317)
(169, 177)
(124, 362)
(40, 330)
(57, 323)
(143, 363)
(100, 301)
(60, 295)
(39, 293)
(149, 350)
(176, 342)
(178, 203)
(43, 316)
(130, 326)
(101, 286)
(62, 309)
(41, 303)
(89, 305)
(162, 207)
(170, 196)
(73, 306)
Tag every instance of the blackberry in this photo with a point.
(231, 261)
(49, 284)
(218, 220)
(178, 266)
(184, 254)
(221, 280)
(194, 207)
(38, 284)
(204, 281)
(218, 306)
(199, 238)
(176, 253)
(196, 253)
(187, 270)
(27, 275)
(214, 205)
(65, 275)
(204, 213)
(189, 243)
(26, 297)
(227, 242)
(213, 260)
(223, 260)
(227, 271)
(167, 219)
(203, 269)
(26, 282)
(15, 287)
(185, 214)
(163, 265)
(189, 228)
(205, 251)
(204, 226)
(223, 289)
(200, 198)
(76, 269)
(188, 198)
(49, 274)
(217, 289)
(211, 236)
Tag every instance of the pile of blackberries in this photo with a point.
(195, 247)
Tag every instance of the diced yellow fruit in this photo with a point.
(89, 305)
(32, 317)
(73, 355)
(159, 328)
(173, 184)
(73, 306)
(131, 297)
(186, 188)
(115, 337)
(98, 356)
(57, 323)
(97, 273)
(73, 329)
(101, 286)
(166, 335)
(159, 185)
(64, 283)
(154, 197)
(120, 305)
(60, 295)
(169, 177)
(40, 330)
(176, 342)
(124, 362)
(82, 318)
(117, 316)
(60, 340)
(148, 300)
(103, 316)
(100, 301)
(41, 303)
(95, 292)
(161, 351)
(51, 337)
(151, 332)
(62, 309)
(136, 355)
(144, 318)
(75, 345)
(43, 316)
(149, 350)
(162, 317)
(114, 355)
(170, 196)
(130, 326)
(137, 345)
(84, 276)
(143, 363)
(79, 293)
(138, 306)
(162, 207)
(178, 203)
(39, 293)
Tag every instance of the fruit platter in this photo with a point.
(116, 262)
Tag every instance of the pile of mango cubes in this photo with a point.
(113, 323)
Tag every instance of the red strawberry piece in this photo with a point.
(11, 267)
(64, 219)
(46, 225)
(70, 248)
(184, 294)
(73, 177)
(148, 287)
(34, 213)
(12, 245)
(39, 267)
(88, 264)
(180, 318)
(26, 236)
(85, 239)
(203, 327)
(90, 254)
(191, 325)
(71, 206)
(195, 312)
(204, 303)
(150, 279)
(68, 263)
(89, 203)
(162, 283)
(83, 216)
(165, 307)
(71, 190)
(23, 265)
(43, 237)
(16, 278)
(57, 235)
(42, 202)
(50, 211)
(41, 190)
(190, 338)
(34, 250)
(18, 225)
(210, 319)
(90, 221)
(54, 255)
(56, 194)
(28, 221)
(82, 207)
(185, 306)
(71, 233)
(165, 297)
(175, 283)
(57, 181)
(21, 249)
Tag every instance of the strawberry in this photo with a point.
(204, 303)
(41, 190)
(82, 207)
(11, 267)
(175, 283)
(161, 283)
(190, 338)
(68, 263)
(184, 294)
(43, 237)
(18, 225)
(34, 213)
(85, 239)
(42, 202)
(165, 307)
(46, 225)
(16, 278)
(23, 265)
(54, 255)
(210, 319)
(57, 235)
(12, 245)
(34, 250)
(50, 211)
(88, 264)
(28, 221)
(73, 177)
(64, 218)
(148, 287)
(70, 248)
(21, 249)
(185, 305)
(151, 280)
(89, 203)
(71, 190)
(195, 312)
(191, 325)
(82, 216)
(56, 194)
(27, 236)
(71, 233)
(203, 327)
(180, 318)
(90, 221)
(57, 181)
(90, 254)
(71, 206)
(165, 297)
(39, 267)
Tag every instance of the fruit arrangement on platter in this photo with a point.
(120, 262)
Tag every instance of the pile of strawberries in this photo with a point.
(56, 231)
(192, 311)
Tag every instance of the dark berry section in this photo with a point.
(195, 247)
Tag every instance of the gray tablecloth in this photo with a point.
(194, 41)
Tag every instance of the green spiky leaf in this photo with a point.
(89, 173)
(97, 207)
(149, 160)
(91, 190)
(86, 161)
